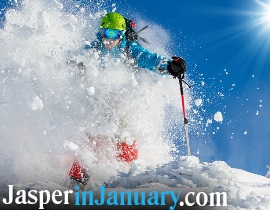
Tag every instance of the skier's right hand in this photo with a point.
(177, 67)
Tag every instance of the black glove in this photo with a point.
(177, 67)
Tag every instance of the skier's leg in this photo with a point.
(127, 152)
(79, 173)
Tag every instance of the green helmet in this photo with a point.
(113, 20)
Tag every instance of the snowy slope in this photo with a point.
(245, 190)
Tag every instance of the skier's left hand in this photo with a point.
(177, 66)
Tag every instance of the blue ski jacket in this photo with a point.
(143, 58)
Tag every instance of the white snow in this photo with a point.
(209, 121)
(52, 113)
(91, 90)
(198, 102)
(218, 117)
(36, 103)
(70, 146)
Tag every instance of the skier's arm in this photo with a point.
(149, 60)
(155, 62)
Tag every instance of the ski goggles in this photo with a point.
(111, 33)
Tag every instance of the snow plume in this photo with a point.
(52, 111)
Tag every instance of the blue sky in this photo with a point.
(226, 43)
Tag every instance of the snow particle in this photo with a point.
(198, 102)
(218, 117)
(36, 103)
(70, 146)
(91, 90)
(221, 94)
(208, 122)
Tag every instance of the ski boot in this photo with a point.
(79, 175)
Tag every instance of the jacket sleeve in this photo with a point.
(149, 60)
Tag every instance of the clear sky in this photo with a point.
(226, 45)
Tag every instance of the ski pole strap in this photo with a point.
(189, 86)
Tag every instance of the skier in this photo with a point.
(117, 39)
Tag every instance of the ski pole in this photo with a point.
(184, 110)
